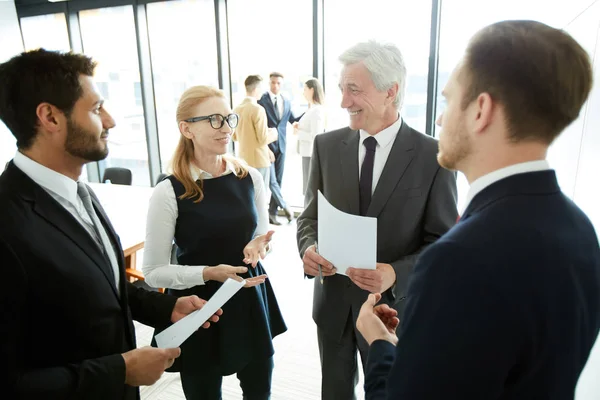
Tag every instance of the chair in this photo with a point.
(161, 177)
(119, 176)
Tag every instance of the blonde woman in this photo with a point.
(215, 208)
(310, 125)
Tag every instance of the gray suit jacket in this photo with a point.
(414, 203)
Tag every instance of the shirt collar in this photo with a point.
(481, 183)
(273, 95)
(385, 137)
(51, 180)
(250, 99)
(197, 173)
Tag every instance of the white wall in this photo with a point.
(10, 45)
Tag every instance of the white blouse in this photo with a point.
(310, 125)
(160, 231)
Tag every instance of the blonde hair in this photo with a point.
(184, 153)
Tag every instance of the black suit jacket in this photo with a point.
(414, 203)
(504, 306)
(63, 325)
(279, 145)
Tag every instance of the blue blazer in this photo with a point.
(505, 306)
(272, 122)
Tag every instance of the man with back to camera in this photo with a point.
(507, 304)
(377, 167)
(66, 308)
(279, 113)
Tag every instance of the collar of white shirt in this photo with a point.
(273, 95)
(481, 183)
(385, 137)
(53, 181)
(197, 173)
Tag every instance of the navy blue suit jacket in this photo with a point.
(506, 305)
(279, 145)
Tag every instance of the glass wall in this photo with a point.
(108, 35)
(274, 35)
(183, 47)
(404, 23)
(47, 31)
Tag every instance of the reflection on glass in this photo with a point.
(47, 31)
(267, 36)
(109, 37)
(183, 46)
(405, 24)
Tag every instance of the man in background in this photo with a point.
(507, 304)
(279, 114)
(252, 132)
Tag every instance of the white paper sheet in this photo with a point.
(346, 240)
(177, 333)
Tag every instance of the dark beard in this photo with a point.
(84, 144)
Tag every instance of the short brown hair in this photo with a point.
(276, 75)
(35, 77)
(539, 74)
(252, 81)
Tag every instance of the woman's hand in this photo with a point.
(257, 248)
(222, 272)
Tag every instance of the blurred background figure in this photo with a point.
(310, 125)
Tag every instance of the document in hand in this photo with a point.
(346, 240)
(177, 333)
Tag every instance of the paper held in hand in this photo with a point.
(177, 333)
(346, 240)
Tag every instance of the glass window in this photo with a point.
(456, 30)
(267, 36)
(183, 46)
(47, 31)
(403, 23)
(118, 80)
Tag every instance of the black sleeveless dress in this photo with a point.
(212, 232)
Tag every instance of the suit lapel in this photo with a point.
(349, 160)
(399, 159)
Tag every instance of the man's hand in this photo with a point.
(312, 260)
(189, 304)
(146, 365)
(374, 280)
(271, 156)
(377, 322)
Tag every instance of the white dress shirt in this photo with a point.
(385, 140)
(481, 183)
(160, 231)
(310, 125)
(64, 190)
(279, 102)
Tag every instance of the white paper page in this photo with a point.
(346, 240)
(177, 333)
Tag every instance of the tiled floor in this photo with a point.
(297, 369)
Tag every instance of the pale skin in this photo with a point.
(143, 366)
(372, 111)
(209, 147)
(475, 141)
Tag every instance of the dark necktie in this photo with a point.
(277, 115)
(366, 175)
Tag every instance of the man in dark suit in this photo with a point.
(378, 167)
(507, 304)
(66, 307)
(279, 113)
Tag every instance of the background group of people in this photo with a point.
(504, 304)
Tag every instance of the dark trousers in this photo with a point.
(275, 182)
(339, 373)
(202, 383)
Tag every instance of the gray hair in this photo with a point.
(384, 62)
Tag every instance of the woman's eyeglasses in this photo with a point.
(217, 120)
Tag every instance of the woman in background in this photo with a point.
(215, 208)
(310, 125)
